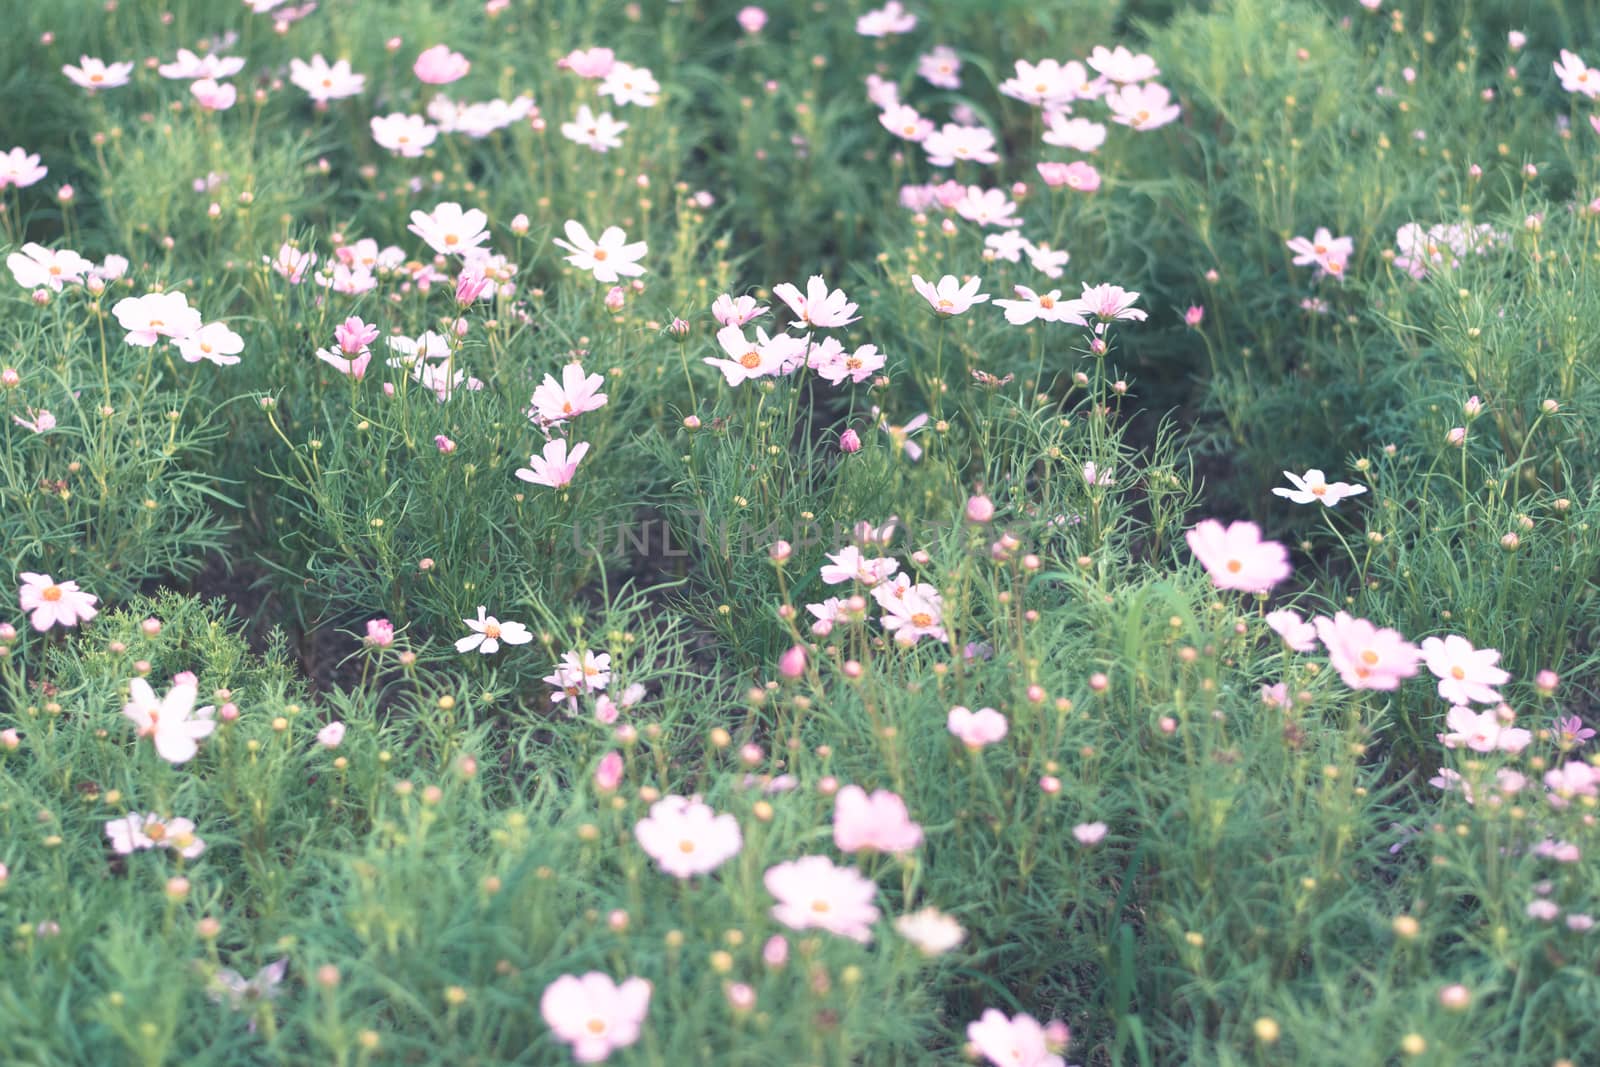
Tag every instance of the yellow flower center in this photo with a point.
(51, 593)
(750, 360)
(686, 846)
(492, 631)
(155, 831)
(596, 1026)
(600, 254)
(1457, 673)
(821, 906)
(1234, 566)
(922, 618)
(1369, 657)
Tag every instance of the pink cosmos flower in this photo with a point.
(1046, 84)
(1048, 307)
(575, 394)
(917, 612)
(134, 832)
(1013, 1042)
(609, 258)
(879, 821)
(213, 342)
(440, 66)
(449, 230)
(1078, 175)
(1315, 487)
(1107, 303)
(608, 773)
(350, 365)
(404, 135)
(1121, 65)
(1572, 779)
(975, 729)
(599, 132)
(1296, 632)
(54, 604)
(331, 735)
(763, 357)
(589, 62)
(900, 436)
(1142, 107)
(1078, 134)
(891, 18)
(1366, 656)
(1236, 557)
(488, 632)
(818, 308)
(686, 837)
(627, 84)
(968, 144)
(751, 19)
(191, 67)
(594, 1014)
(579, 673)
(213, 95)
(1482, 732)
(950, 296)
(813, 894)
(849, 565)
(38, 420)
(736, 311)
(323, 82)
(38, 267)
(155, 315)
(834, 364)
(931, 930)
(556, 466)
(291, 263)
(1326, 252)
(905, 123)
(92, 74)
(1571, 733)
(1577, 76)
(20, 168)
(1466, 675)
(987, 207)
(173, 722)
(940, 68)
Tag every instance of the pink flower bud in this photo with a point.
(793, 662)
(1473, 407)
(780, 551)
(691, 422)
(444, 444)
(775, 953)
(615, 298)
(228, 712)
(331, 735)
(1050, 785)
(850, 441)
(519, 224)
(1456, 437)
(470, 286)
(380, 633)
(609, 774)
(1546, 682)
(980, 509)
(751, 19)
(150, 627)
(10, 740)
(1194, 315)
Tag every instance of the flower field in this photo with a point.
(1016, 533)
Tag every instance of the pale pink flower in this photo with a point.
(940, 68)
(818, 307)
(1366, 656)
(736, 311)
(608, 774)
(877, 821)
(950, 296)
(813, 894)
(834, 364)
(1314, 487)
(1011, 1042)
(214, 342)
(952, 143)
(38, 267)
(191, 67)
(405, 135)
(900, 436)
(173, 722)
(213, 95)
(1050, 262)
(332, 735)
(134, 832)
(763, 357)
(751, 19)
(627, 84)
(556, 467)
(1143, 107)
(987, 207)
(975, 729)
(323, 82)
(1048, 307)
(917, 613)
(1572, 779)
(1121, 65)
(440, 66)
(20, 168)
(1078, 134)
(609, 258)
(1482, 732)
(428, 345)
(92, 74)
(54, 604)
(1577, 76)
(891, 18)
(291, 263)
(1236, 557)
(1296, 632)
(1046, 84)
(594, 1014)
(849, 565)
(882, 92)
(579, 673)
(931, 930)
(1327, 253)
(589, 62)
(573, 395)
(38, 420)
(1107, 303)
(449, 230)
(686, 837)
(599, 132)
(1089, 833)
(155, 315)
(1466, 675)
(905, 123)
(489, 632)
